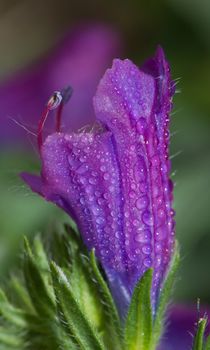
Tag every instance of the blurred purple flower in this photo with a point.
(79, 60)
(114, 179)
(182, 322)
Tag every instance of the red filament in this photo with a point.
(54, 102)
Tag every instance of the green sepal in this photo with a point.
(198, 341)
(164, 298)
(36, 286)
(111, 316)
(207, 345)
(9, 339)
(138, 326)
(40, 256)
(71, 315)
(83, 287)
(20, 294)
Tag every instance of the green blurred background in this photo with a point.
(28, 29)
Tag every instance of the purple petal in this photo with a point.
(80, 174)
(34, 181)
(134, 105)
(78, 60)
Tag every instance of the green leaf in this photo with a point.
(138, 327)
(20, 295)
(40, 255)
(207, 347)
(71, 316)
(198, 342)
(12, 314)
(10, 339)
(112, 320)
(164, 298)
(36, 286)
(85, 290)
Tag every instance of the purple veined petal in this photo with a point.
(181, 328)
(79, 60)
(34, 181)
(80, 175)
(134, 104)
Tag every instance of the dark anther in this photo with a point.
(66, 94)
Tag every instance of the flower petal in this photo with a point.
(80, 174)
(134, 104)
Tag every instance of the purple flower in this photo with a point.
(79, 59)
(113, 179)
(182, 322)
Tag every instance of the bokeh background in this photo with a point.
(31, 32)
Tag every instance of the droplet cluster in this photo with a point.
(83, 169)
(138, 118)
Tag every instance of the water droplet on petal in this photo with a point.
(100, 220)
(155, 161)
(147, 262)
(161, 233)
(92, 180)
(142, 202)
(147, 249)
(144, 237)
(106, 176)
(147, 218)
(141, 125)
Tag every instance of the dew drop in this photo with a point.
(144, 237)
(100, 220)
(103, 168)
(100, 201)
(82, 201)
(143, 187)
(161, 233)
(147, 249)
(95, 209)
(142, 202)
(106, 176)
(97, 194)
(92, 181)
(161, 213)
(141, 125)
(147, 218)
(158, 260)
(147, 262)
(89, 189)
(126, 242)
(172, 212)
(158, 247)
(111, 188)
(136, 222)
(155, 161)
(159, 200)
